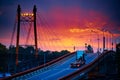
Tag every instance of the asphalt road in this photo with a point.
(61, 70)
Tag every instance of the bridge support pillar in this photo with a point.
(18, 32)
(35, 31)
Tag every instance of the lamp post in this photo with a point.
(97, 41)
(74, 51)
(107, 40)
(112, 41)
(98, 44)
(85, 46)
(74, 48)
(103, 41)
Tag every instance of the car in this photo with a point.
(77, 64)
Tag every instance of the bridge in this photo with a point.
(58, 68)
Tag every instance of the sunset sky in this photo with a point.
(63, 24)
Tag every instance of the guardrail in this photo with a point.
(37, 68)
(84, 69)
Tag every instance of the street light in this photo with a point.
(112, 41)
(98, 43)
(97, 40)
(107, 40)
(103, 40)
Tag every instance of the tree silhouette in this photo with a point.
(3, 58)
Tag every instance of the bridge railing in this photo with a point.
(79, 73)
(21, 74)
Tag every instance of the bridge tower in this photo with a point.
(26, 17)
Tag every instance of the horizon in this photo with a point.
(64, 24)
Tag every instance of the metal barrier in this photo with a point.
(35, 70)
(85, 69)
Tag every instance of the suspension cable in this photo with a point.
(13, 33)
(47, 25)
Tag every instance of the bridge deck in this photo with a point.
(60, 70)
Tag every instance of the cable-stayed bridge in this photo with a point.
(26, 23)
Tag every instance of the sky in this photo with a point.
(63, 24)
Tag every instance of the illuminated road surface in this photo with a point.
(61, 70)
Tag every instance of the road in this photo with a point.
(61, 70)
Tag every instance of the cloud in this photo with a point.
(55, 39)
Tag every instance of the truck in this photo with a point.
(80, 59)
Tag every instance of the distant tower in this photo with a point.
(26, 17)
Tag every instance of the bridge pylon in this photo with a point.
(26, 17)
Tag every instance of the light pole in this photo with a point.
(74, 51)
(103, 41)
(98, 44)
(85, 46)
(97, 40)
(112, 41)
(74, 48)
(107, 40)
